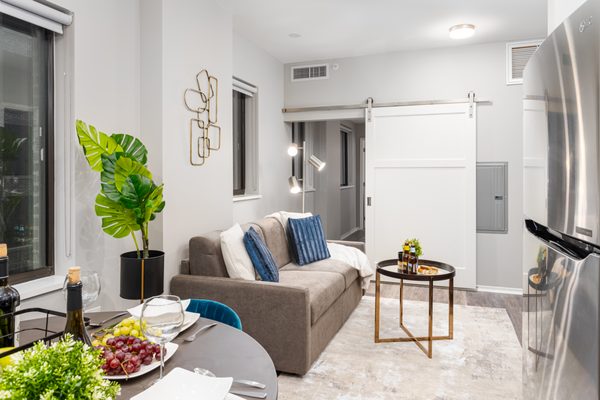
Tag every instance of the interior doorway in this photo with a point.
(336, 192)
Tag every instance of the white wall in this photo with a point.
(254, 65)
(558, 10)
(106, 94)
(444, 74)
(197, 34)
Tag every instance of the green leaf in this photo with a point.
(154, 203)
(66, 369)
(132, 147)
(107, 176)
(135, 190)
(125, 167)
(94, 144)
(117, 220)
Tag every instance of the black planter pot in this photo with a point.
(153, 269)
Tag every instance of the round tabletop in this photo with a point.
(390, 268)
(224, 350)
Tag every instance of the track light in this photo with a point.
(293, 149)
(315, 162)
(294, 185)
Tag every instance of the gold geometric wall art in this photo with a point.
(204, 133)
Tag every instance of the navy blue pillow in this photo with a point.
(261, 256)
(307, 240)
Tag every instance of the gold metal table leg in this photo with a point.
(430, 330)
(451, 308)
(412, 338)
(377, 305)
(401, 301)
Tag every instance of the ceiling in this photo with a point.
(347, 28)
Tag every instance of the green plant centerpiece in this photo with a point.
(67, 369)
(128, 201)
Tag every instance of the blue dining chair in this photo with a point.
(216, 311)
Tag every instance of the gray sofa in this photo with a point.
(293, 319)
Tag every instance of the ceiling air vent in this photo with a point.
(310, 72)
(517, 56)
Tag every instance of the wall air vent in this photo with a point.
(310, 72)
(517, 56)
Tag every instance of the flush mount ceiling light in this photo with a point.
(462, 31)
(294, 35)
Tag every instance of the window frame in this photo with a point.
(347, 134)
(49, 170)
(249, 156)
(240, 191)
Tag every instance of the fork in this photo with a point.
(192, 337)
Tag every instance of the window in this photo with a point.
(346, 157)
(26, 142)
(245, 141)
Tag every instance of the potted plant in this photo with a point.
(128, 200)
(66, 369)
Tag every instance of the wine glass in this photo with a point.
(161, 321)
(90, 290)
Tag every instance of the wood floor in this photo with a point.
(511, 303)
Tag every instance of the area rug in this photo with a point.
(482, 362)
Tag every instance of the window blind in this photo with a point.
(39, 13)
(244, 87)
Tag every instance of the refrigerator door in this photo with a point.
(561, 324)
(561, 144)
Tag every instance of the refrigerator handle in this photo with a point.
(568, 246)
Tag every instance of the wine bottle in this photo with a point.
(9, 301)
(414, 261)
(405, 255)
(75, 325)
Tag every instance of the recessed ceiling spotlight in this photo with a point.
(462, 31)
(294, 35)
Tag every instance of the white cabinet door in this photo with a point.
(420, 182)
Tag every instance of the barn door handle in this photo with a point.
(368, 201)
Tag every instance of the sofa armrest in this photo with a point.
(277, 316)
(184, 267)
(357, 245)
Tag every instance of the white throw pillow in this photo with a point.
(237, 261)
(285, 215)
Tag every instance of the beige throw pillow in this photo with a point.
(237, 261)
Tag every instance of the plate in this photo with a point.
(144, 369)
(189, 319)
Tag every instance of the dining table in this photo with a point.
(222, 349)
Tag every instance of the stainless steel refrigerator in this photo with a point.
(561, 234)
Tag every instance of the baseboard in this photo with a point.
(500, 289)
(350, 232)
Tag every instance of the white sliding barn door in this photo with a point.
(420, 182)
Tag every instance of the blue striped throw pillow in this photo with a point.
(261, 256)
(307, 240)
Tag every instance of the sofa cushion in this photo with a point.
(329, 265)
(274, 236)
(261, 256)
(308, 240)
(237, 261)
(324, 288)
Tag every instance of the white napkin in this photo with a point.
(181, 384)
(137, 310)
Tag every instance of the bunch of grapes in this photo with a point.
(126, 354)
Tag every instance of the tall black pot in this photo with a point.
(153, 269)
